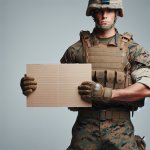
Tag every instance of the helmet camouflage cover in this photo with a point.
(98, 4)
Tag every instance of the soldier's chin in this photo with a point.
(103, 28)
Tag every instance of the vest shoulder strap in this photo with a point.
(125, 40)
(85, 38)
(86, 43)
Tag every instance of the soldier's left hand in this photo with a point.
(90, 91)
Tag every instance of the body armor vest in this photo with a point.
(110, 65)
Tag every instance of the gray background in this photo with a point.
(39, 31)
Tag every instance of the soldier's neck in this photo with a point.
(106, 34)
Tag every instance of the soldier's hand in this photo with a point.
(90, 90)
(28, 85)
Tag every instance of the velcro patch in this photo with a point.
(105, 2)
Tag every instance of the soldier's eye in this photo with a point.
(96, 11)
(110, 10)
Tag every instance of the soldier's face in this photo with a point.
(105, 18)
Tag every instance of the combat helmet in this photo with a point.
(98, 4)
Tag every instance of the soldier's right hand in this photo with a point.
(28, 85)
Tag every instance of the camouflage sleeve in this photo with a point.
(142, 75)
(72, 54)
(145, 81)
(138, 56)
(140, 64)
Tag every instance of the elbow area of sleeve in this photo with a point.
(145, 81)
(140, 73)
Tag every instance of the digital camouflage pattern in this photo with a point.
(141, 76)
(140, 142)
(92, 134)
(137, 55)
(98, 4)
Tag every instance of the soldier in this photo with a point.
(121, 81)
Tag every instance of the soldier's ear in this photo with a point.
(116, 15)
(117, 12)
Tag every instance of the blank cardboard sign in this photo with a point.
(57, 84)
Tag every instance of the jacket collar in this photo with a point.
(112, 42)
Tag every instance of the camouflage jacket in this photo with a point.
(138, 58)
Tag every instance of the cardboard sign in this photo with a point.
(57, 84)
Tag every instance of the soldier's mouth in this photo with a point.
(104, 22)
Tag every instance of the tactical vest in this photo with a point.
(110, 64)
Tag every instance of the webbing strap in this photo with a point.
(117, 66)
(108, 114)
(85, 38)
(125, 39)
(105, 59)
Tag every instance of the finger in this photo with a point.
(88, 83)
(27, 92)
(86, 98)
(25, 83)
(33, 87)
(84, 87)
(28, 78)
(85, 92)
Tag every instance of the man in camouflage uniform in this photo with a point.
(121, 81)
